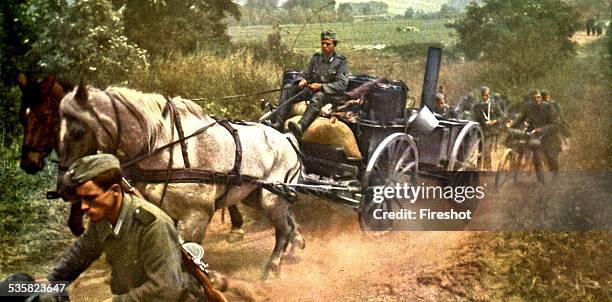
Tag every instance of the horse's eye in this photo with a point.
(77, 130)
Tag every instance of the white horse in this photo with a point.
(129, 123)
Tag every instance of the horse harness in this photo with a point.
(189, 174)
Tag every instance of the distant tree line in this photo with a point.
(267, 12)
(260, 12)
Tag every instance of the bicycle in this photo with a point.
(519, 159)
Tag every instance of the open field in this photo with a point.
(352, 34)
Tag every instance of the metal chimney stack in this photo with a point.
(432, 72)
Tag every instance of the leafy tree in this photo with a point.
(310, 4)
(164, 27)
(85, 42)
(17, 32)
(371, 8)
(526, 36)
(345, 12)
(261, 4)
(448, 11)
(409, 13)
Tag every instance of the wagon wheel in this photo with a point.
(506, 173)
(466, 162)
(467, 152)
(395, 161)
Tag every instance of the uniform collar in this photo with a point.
(332, 57)
(125, 215)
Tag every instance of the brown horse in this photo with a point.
(39, 115)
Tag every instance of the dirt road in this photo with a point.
(339, 263)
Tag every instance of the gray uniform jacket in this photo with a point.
(332, 73)
(542, 116)
(481, 112)
(445, 112)
(142, 249)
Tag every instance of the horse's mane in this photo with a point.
(147, 108)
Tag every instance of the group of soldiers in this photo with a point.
(325, 80)
(594, 27)
(539, 115)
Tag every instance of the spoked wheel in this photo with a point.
(505, 173)
(466, 162)
(467, 152)
(395, 161)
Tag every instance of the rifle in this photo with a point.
(193, 254)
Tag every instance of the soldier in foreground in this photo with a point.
(489, 116)
(326, 79)
(139, 240)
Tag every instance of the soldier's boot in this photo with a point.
(298, 129)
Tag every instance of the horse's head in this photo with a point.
(78, 127)
(39, 116)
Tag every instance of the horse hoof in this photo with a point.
(272, 269)
(291, 257)
(298, 240)
(235, 235)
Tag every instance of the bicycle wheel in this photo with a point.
(505, 170)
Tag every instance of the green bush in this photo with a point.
(85, 42)
(527, 36)
(17, 189)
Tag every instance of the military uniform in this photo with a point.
(481, 113)
(464, 107)
(502, 103)
(545, 117)
(332, 73)
(445, 112)
(143, 251)
(142, 247)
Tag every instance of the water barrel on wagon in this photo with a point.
(382, 114)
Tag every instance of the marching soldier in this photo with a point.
(464, 107)
(326, 79)
(501, 102)
(139, 240)
(543, 120)
(564, 128)
(489, 116)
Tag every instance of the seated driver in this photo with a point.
(326, 79)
